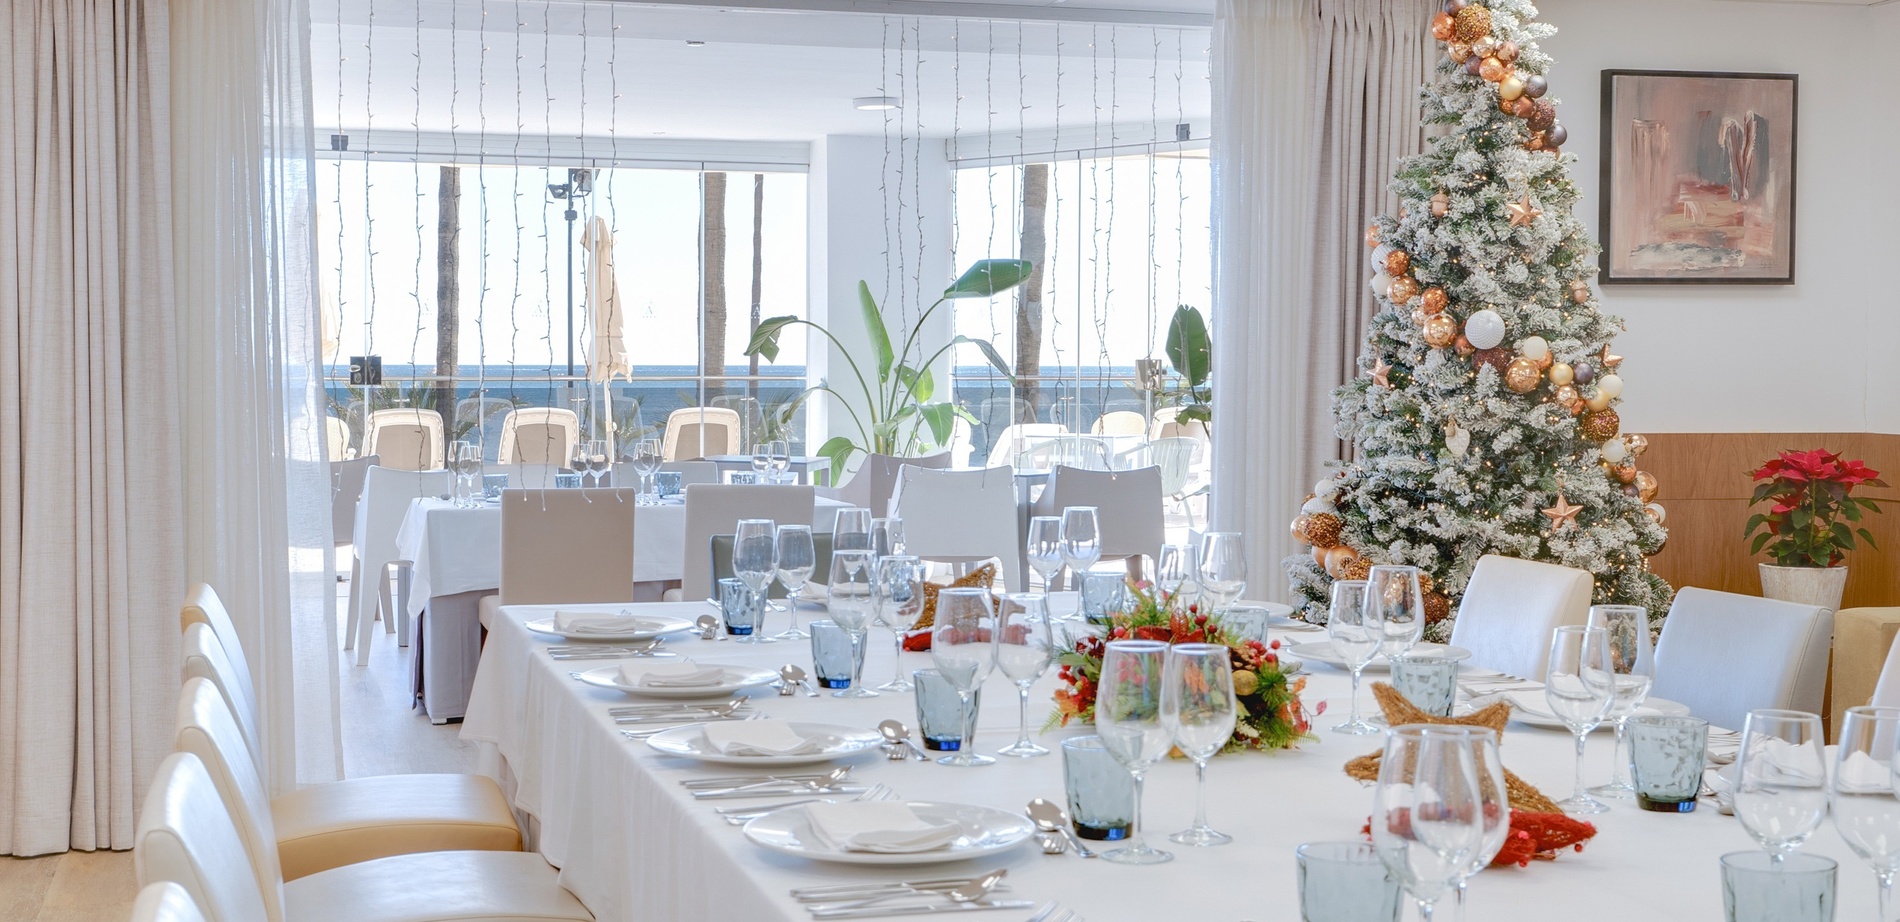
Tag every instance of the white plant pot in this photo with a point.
(1822, 586)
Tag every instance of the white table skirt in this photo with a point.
(631, 843)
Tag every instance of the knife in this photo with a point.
(869, 912)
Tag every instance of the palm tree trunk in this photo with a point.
(1029, 298)
(758, 275)
(448, 292)
(712, 346)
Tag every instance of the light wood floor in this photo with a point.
(381, 736)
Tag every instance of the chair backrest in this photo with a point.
(205, 658)
(1175, 458)
(692, 472)
(876, 479)
(338, 435)
(525, 476)
(699, 432)
(1725, 654)
(346, 487)
(722, 561)
(204, 727)
(1120, 422)
(751, 418)
(1887, 689)
(1167, 425)
(186, 836)
(566, 546)
(1016, 437)
(716, 508)
(202, 606)
(961, 516)
(1510, 608)
(538, 435)
(387, 492)
(962, 443)
(165, 902)
(1127, 507)
(408, 438)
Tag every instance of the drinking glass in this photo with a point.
(898, 592)
(1763, 888)
(1345, 882)
(1580, 688)
(755, 562)
(849, 602)
(780, 453)
(1666, 759)
(1198, 708)
(852, 530)
(1100, 793)
(1427, 812)
(941, 711)
(963, 643)
(834, 657)
(1353, 626)
(1081, 540)
(1860, 794)
(1428, 680)
(600, 460)
(1044, 547)
(1781, 789)
(1128, 719)
(1023, 654)
(1392, 591)
(454, 458)
(797, 557)
(647, 455)
(1174, 575)
(1493, 796)
(1631, 662)
(887, 537)
(1223, 569)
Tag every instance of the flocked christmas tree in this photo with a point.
(1486, 422)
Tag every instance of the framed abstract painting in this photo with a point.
(1698, 178)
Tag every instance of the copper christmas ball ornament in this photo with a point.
(1425, 583)
(1458, 52)
(1597, 426)
(1463, 345)
(1624, 473)
(1598, 400)
(1322, 529)
(1561, 373)
(1535, 86)
(1646, 486)
(1474, 66)
(1585, 372)
(1522, 376)
(1419, 316)
(1579, 291)
(1471, 24)
(1568, 398)
(1504, 106)
(1357, 568)
(1372, 235)
(1495, 357)
(1440, 331)
(1441, 205)
(1535, 141)
(1542, 117)
(1441, 26)
(1319, 556)
(1337, 558)
(1437, 607)
(1492, 70)
(1556, 135)
(1299, 528)
(1453, 6)
(1433, 300)
(1507, 51)
(1522, 107)
(1511, 88)
(1656, 513)
(1397, 263)
(1636, 444)
(1403, 290)
(1485, 47)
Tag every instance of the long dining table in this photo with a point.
(632, 843)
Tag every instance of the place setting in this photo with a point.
(621, 626)
(681, 678)
(766, 742)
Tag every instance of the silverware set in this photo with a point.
(730, 709)
(831, 782)
(678, 722)
(599, 651)
(916, 897)
(739, 816)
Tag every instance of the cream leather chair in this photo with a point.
(203, 606)
(409, 439)
(701, 432)
(1120, 422)
(337, 433)
(715, 509)
(961, 517)
(165, 902)
(538, 435)
(204, 658)
(1127, 509)
(1167, 424)
(187, 835)
(1887, 689)
(876, 479)
(326, 826)
(1724, 654)
(387, 493)
(1510, 608)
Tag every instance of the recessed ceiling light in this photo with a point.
(873, 103)
(695, 44)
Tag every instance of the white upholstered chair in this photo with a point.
(961, 517)
(538, 435)
(408, 438)
(387, 493)
(1725, 654)
(1511, 607)
(1127, 508)
(346, 487)
(188, 835)
(204, 658)
(203, 606)
(715, 509)
(701, 432)
(1887, 690)
(165, 902)
(1175, 458)
(1017, 438)
(1120, 422)
(337, 433)
(876, 479)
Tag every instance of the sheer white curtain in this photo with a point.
(91, 568)
(257, 488)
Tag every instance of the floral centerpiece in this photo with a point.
(1271, 715)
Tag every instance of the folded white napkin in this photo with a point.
(763, 738)
(887, 827)
(1530, 702)
(815, 593)
(580, 622)
(683, 674)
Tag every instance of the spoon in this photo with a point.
(790, 673)
(969, 891)
(1051, 818)
(708, 627)
(895, 732)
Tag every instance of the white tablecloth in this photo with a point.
(633, 845)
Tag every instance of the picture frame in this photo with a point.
(1698, 178)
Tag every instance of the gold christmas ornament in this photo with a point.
(1624, 473)
(1568, 398)
(1442, 26)
(1441, 205)
(1522, 107)
(1598, 400)
(1397, 263)
(1322, 530)
(1464, 345)
(1646, 486)
(1635, 444)
(1419, 315)
(1402, 290)
(1579, 291)
(1600, 425)
(1319, 556)
(1433, 300)
(1372, 235)
(1437, 606)
(1357, 568)
(1440, 330)
(1485, 47)
(1561, 513)
(1492, 70)
(1522, 376)
(1471, 24)
(1562, 373)
(1507, 51)
(1337, 559)
(1425, 583)
(1523, 212)
(1458, 52)
(1511, 88)
(1656, 513)
(1299, 528)
(1381, 374)
(1609, 361)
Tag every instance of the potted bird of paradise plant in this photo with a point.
(1811, 524)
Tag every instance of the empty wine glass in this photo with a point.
(1081, 540)
(1223, 568)
(887, 537)
(849, 603)
(647, 454)
(600, 461)
(797, 558)
(1860, 794)
(465, 461)
(1174, 575)
(1128, 719)
(963, 642)
(1580, 687)
(1023, 653)
(1354, 628)
(1198, 707)
(1392, 591)
(1781, 789)
(761, 462)
(1427, 812)
(852, 530)
(755, 562)
(779, 452)
(1044, 548)
(898, 592)
(1493, 795)
(1627, 627)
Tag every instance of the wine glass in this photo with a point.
(898, 592)
(761, 462)
(849, 602)
(1081, 540)
(1223, 568)
(797, 558)
(1023, 653)
(1198, 707)
(600, 461)
(852, 530)
(1427, 812)
(1392, 591)
(454, 457)
(465, 460)
(1627, 627)
(780, 453)
(1174, 575)
(1781, 790)
(1860, 794)
(1580, 687)
(1353, 627)
(1494, 797)
(1128, 719)
(647, 454)
(963, 644)
(755, 562)
(887, 537)
(1043, 549)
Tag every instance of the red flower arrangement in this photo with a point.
(1808, 524)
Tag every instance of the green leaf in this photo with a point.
(919, 384)
(874, 327)
(938, 418)
(765, 338)
(1869, 538)
(989, 277)
(990, 355)
(1196, 414)
(1760, 540)
(1188, 348)
(838, 449)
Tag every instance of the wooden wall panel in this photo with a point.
(1703, 482)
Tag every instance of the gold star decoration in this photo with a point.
(1523, 212)
(1610, 361)
(1562, 513)
(1381, 373)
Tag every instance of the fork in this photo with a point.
(1054, 911)
(739, 816)
(643, 734)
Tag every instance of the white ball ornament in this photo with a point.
(1662, 515)
(1380, 283)
(1611, 385)
(1484, 329)
(1614, 451)
(1379, 253)
(1328, 488)
(1532, 347)
(1316, 505)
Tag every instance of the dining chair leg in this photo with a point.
(355, 603)
(367, 606)
(400, 624)
(387, 608)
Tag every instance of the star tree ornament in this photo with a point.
(1485, 266)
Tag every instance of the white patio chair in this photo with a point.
(961, 517)
(538, 435)
(387, 493)
(165, 902)
(1167, 425)
(346, 487)
(407, 438)
(338, 433)
(701, 432)
(1175, 459)
(1510, 608)
(716, 508)
(1725, 654)
(1120, 422)
(1016, 438)
(876, 479)
(1127, 508)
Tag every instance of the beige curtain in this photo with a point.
(91, 556)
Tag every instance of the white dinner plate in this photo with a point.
(1321, 651)
(986, 831)
(690, 741)
(1278, 615)
(1652, 707)
(648, 629)
(736, 678)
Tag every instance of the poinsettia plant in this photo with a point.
(1811, 521)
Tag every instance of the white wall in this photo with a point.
(1809, 357)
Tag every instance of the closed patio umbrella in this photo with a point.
(607, 349)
